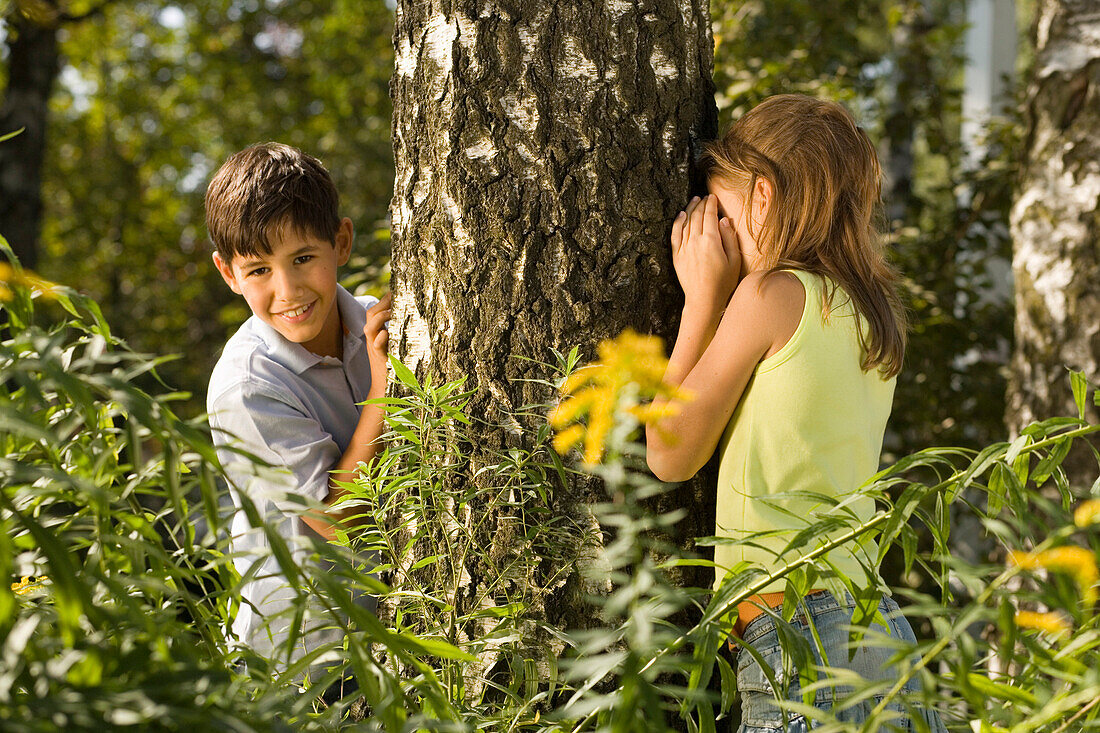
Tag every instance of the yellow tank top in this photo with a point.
(810, 420)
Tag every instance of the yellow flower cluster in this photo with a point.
(26, 585)
(594, 392)
(1088, 513)
(1052, 623)
(9, 276)
(1071, 560)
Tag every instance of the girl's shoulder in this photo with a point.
(777, 283)
(774, 302)
(782, 290)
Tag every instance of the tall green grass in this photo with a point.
(122, 587)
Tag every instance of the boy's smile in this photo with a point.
(293, 289)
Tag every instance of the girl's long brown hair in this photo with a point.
(827, 191)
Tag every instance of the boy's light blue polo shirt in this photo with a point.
(296, 411)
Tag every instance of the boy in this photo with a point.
(287, 386)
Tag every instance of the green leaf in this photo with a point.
(997, 489)
(982, 462)
(908, 542)
(1006, 620)
(424, 562)
(1014, 449)
(999, 690)
(908, 502)
(10, 135)
(404, 374)
(1080, 386)
(441, 649)
(1051, 461)
(512, 610)
(729, 684)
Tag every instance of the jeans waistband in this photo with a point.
(813, 603)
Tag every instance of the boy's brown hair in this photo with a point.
(266, 186)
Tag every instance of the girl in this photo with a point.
(791, 338)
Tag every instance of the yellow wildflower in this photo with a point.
(1052, 623)
(567, 438)
(593, 393)
(10, 276)
(653, 412)
(1072, 560)
(600, 422)
(1088, 513)
(571, 410)
(26, 585)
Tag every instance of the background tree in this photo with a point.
(1056, 223)
(33, 62)
(541, 152)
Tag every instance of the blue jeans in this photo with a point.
(759, 712)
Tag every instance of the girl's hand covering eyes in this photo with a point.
(705, 255)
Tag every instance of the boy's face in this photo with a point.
(293, 289)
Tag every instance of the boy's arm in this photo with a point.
(365, 442)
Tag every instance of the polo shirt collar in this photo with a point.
(298, 358)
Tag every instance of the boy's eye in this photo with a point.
(257, 271)
(301, 259)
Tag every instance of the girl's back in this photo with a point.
(809, 420)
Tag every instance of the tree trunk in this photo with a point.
(1056, 224)
(33, 65)
(542, 149)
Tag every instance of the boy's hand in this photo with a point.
(378, 339)
(705, 255)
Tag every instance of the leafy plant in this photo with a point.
(1005, 678)
(118, 607)
(426, 522)
(122, 589)
(125, 622)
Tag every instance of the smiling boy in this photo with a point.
(289, 383)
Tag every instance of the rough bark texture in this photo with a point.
(542, 149)
(33, 65)
(1056, 223)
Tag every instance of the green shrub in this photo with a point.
(122, 619)
(118, 610)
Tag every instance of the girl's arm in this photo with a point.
(716, 352)
(707, 260)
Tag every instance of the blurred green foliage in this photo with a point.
(121, 616)
(152, 97)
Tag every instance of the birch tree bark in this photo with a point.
(542, 148)
(1056, 223)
